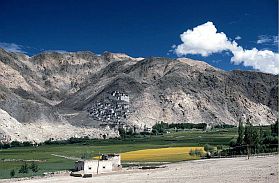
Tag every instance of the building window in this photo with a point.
(89, 168)
(104, 167)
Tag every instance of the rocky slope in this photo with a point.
(51, 93)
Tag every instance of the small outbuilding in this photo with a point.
(89, 168)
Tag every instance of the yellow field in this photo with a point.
(161, 154)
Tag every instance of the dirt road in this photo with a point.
(256, 169)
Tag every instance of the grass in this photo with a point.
(50, 163)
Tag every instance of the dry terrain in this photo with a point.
(257, 169)
(73, 93)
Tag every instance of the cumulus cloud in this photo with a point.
(12, 47)
(262, 60)
(205, 40)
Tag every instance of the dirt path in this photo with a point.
(66, 157)
(234, 170)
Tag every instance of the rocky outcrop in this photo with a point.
(53, 88)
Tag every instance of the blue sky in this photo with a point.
(140, 28)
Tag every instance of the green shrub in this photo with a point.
(196, 152)
(16, 144)
(12, 173)
(34, 167)
(233, 143)
(219, 147)
(208, 148)
(23, 168)
(26, 144)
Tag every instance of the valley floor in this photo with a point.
(229, 170)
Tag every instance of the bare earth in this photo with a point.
(256, 169)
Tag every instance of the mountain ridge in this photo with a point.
(64, 88)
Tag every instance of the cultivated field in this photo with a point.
(45, 156)
(161, 154)
(229, 170)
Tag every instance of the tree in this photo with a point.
(23, 168)
(26, 143)
(233, 143)
(130, 132)
(134, 129)
(154, 132)
(271, 143)
(240, 133)
(16, 144)
(251, 137)
(6, 146)
(274, 129)
(160, 127)
(208, 148)
(219, 149)
(34, 167)
(261, 134)
(256, 136)
(122, 132)
(248, 134)
(12, 173)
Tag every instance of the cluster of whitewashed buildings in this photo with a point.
(112, 109)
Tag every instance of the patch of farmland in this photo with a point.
(170, 154)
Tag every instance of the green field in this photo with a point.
(49, 163)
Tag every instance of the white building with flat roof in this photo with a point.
(106, 164)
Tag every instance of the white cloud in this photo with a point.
(263, 60)
(275, 40)
(267, 40)
(58, 51)
(12, 47)
(264, 39)
(238, 38)
(205, 40)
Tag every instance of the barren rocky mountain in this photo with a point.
(62, 95)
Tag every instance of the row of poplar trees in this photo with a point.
(253, 139)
